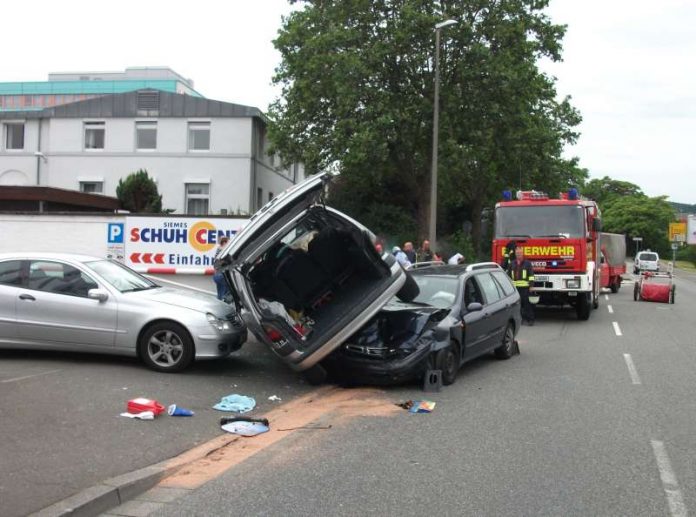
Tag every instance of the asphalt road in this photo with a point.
(594, 418)
(59, 415)
(567, 428)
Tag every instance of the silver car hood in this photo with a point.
(186, 298)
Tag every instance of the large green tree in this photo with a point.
(606, 190)
(640, 216)
(138, 193)
(357, 94)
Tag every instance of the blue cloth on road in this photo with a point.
(237, 403)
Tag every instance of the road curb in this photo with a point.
(108, 494)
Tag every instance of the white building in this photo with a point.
(207, 157)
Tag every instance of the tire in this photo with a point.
(582, 307)
(595, 301)
(166, 347)
(409, 291)
(615, 287)
(636, 292)
(507, 348)
(672, 293)
(315, 375)
(448, 361)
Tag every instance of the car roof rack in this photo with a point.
(417, 265)
(483, 265)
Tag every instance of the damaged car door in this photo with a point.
(308, 275)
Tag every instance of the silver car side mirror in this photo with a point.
(97, 294)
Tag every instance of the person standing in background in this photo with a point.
(219, 279)
(410, 252)
(425, 254)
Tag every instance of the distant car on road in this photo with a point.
(461, 312)
(646, 261)
(82, 303)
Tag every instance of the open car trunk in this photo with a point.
(313, 280)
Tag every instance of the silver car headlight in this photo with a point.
(219, 324)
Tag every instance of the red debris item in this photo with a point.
(655, 292)
(139, 405)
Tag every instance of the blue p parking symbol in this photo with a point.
(115, 233)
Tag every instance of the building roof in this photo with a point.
(57, 195)
(141, 103)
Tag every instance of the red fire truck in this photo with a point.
(560, 237)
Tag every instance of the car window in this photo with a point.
(472, 292)
(59, 278)
(489, 287)
(438, 291)
(11, 272)
(504, 282)
(121, 277)
(651, 257)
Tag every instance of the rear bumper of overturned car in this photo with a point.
(350, 368)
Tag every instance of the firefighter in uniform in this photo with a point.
(522, 274)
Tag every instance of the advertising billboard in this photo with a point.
(175, 244)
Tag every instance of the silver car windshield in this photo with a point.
(124, 279)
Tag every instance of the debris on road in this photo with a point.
(175, 410)
(275, 398)
(141, 404)
(244, 426)
(418, 406)
(236, 403)
(144, 415)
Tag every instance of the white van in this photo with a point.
(646, 261)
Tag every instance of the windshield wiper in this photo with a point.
(135, 289)
(561, 235)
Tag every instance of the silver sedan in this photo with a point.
(81, 303)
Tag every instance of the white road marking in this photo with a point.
(669, 481)
(616, 328)
(159, 279)
(610, 309)
(606, 297)
(632, 369)
(29, 376)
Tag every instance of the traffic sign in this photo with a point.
(638, 239)
(677, 232)
(675, 245)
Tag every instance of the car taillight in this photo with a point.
(273, 334)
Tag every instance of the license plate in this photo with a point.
(541, 278)
(573, 293)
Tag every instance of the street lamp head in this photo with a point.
(444, 24)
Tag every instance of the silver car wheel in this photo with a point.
(165, 348)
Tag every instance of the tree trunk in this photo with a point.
(476, 211)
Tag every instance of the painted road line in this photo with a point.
(606, 297)
(632, 369)
(15, 379)
(617, 329)
(610, 309)
(179, 284)
(669, 480)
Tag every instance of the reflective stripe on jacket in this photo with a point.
(522, 274)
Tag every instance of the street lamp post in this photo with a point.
(432, 233)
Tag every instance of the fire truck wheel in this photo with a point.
(582, 306)
(615, 287)
(636, 292)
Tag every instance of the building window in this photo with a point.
(14, 136)
(199, 136)
(92, 187)
(94, 135)
(197, 198)
(146, 135)
(259, 197)
(270, 196)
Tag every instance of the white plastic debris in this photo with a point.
(275, 398)
(145, 415)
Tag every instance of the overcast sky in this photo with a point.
(628, 65)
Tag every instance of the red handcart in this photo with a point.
(654, 287)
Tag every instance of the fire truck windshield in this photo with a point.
(539, 221)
